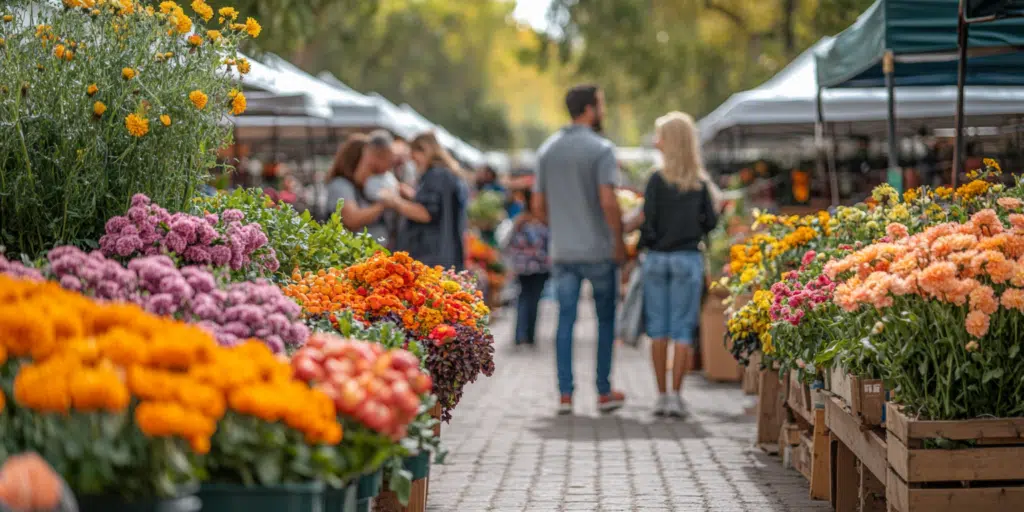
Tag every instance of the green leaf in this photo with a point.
(1014, 350)
(268, 469)
(401, 484)
(993, 373)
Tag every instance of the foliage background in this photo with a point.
(471, 68)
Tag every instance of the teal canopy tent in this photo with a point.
(922, 36)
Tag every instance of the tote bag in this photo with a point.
(629, 325)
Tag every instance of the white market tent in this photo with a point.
(787, 105)
(462, 150)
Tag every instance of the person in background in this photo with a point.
(487, 179)
(574, 194)
(527, 251)
(435, 217)
(679, 211)
(357, 162)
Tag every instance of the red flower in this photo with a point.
(442, 334)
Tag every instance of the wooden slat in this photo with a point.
(960, 430)
(770, 410)
(919, 465)
(417, 497)
(802, 457)
(820, 458)
(896, 492)
(801, 414)
(867, 446)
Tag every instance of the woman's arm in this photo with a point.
(355, 218)
(411, 210)
(648, 228)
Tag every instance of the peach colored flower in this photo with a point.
(971, 346)
(947, 244)
(1017, 221)
(977, 324)
(1001, 270)
(983, 298)
(1013, 298)
(1010, 203)
(896, 231)
(938, 278)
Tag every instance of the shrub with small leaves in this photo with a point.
(96, 105)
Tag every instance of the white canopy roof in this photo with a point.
(787, 103)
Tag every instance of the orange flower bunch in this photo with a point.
(979, 263)
(389, 284)
(90, 357)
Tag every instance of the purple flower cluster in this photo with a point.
(16, 269)
(233, 312)
(221, 241)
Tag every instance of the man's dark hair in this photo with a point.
(579, 98)
(380, 139)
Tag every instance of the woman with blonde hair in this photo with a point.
(435, 216)
(679, 211)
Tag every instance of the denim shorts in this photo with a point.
(673, 283)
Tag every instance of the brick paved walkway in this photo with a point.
(509, 452)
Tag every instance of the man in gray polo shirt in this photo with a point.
(575, 192)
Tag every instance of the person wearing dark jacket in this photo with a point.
(679, 211)
(435, 215)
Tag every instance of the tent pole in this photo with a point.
(825, 159)
(961, 76)
(895, 174)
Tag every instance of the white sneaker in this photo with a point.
(674, 407)
(661, 405)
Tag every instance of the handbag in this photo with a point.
(629, 324)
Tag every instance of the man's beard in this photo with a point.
(597, 125)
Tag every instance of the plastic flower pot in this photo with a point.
(418, 465)
(367, 489)
(304, 497)
(185, 501)
(343, 499)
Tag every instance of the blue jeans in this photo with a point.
(604, 280)
(531, 287)
(673, 283)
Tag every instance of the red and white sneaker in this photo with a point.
(565, 405)
(611, 402)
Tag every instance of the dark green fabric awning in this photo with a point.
(922, 34)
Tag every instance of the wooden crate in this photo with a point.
(988, 477)
(869, 446)
(752, 374)
(719, 365)
(859, 464)
(770, 409)
(798, 400)
(801, 457)
(865, 397)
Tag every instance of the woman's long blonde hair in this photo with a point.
(428, 144)
(680, 150)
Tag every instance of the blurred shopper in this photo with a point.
(575, 194)
(679, 211)
(434, 218)
(527, 250)
(358, 178)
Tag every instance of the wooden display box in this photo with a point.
(770, 409)
(719, 365)
(988, 477)
(865, 397)
(752, 374)
(798, 399)
(859, 460)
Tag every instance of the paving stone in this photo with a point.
(509, 452)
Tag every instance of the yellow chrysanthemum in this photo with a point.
(195, 40)
(227, 13)
(98, 108)
(128, 73)
(243, 66)
(202, 9)
(253, 28)
(198, 99)
(238, 103)
(169, 7)
(8, 18)
(92, 90)
(214, 35)
(165, 120)
(58, 51)
(137, 126)
(992, 165)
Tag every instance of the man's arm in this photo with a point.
(608, 181)
(538, 204)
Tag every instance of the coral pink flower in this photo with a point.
(896, 231)
(1010, 203)
(1013, 298)
(977, 324)
(983, 299)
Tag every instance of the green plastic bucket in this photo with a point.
(305, 497)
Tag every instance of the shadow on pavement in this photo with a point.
(613, 427)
